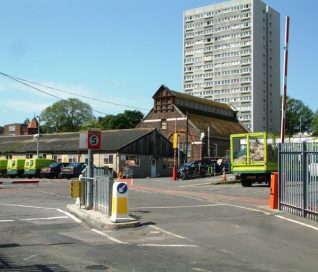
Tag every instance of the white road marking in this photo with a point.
(193, 185)
(296, 222)
(7, 220)
(179, 207)
(109, 237)
(246, 208)
(43, 218)
(191, 197)
(25, 206)
(74, 218)
(159, 245)
(137, 190)
(32, 256)
(168, 232)
(200, 269)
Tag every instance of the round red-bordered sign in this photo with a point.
(94, 140)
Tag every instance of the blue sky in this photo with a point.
(120, 51)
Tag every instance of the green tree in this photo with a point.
(297, 113)
(26, 121)
(314, 123)
(66, 116)
(125, 120)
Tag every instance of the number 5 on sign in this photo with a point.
(94, 140)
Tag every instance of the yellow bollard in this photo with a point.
(120, 203)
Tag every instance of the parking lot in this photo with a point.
(191, 225)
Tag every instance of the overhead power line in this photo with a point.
(22, 81)
(37, 89)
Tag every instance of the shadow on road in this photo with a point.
(8, 265)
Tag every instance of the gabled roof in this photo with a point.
(218, 127)
(194, 99)
(33, 123)
(112, 141)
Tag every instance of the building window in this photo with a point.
(29, 156)
(109, 159)
(72, 158)
(9, 156)
(132, 160)
(168, 162)
(164, 124)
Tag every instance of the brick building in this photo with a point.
(21, 129)
(203, 126)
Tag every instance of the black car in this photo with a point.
(73, 170)
(196, 169)
(53, 170)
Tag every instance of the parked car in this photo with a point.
(53, 170)
(196, 169)
(73, 170)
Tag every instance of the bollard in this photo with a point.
(224, 174)
(273, 200)
(120, 203)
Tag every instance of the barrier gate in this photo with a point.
(298, 179)
(102, 189)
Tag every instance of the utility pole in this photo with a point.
(38, 138)
(187, 132)
(300, 129)
(285, 80)
(209, 152)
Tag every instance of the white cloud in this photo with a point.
(26, 106)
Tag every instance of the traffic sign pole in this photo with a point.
(94, 142)
(90, 175)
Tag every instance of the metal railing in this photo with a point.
(298, 179)
(102, 189)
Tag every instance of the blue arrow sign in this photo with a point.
(122, 188)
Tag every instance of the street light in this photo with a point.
(300, 128)
(37, 136)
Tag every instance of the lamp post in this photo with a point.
(300, 128)
(38, 138)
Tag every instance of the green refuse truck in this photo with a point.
(254, 157)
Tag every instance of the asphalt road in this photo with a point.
(186, 226)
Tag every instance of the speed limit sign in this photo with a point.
(94, 140)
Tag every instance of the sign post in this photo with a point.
(175, 143)
(94, 142)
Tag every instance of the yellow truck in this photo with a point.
(3, 167)
(15, 167)
(32, 167)
(253, 157)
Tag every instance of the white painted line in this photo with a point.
(191, 197)
(168, 232)
(193, 185)
(26, 206)
(296, 222)
(154, 232)
(44, 218)
(158, 245)
(180, 207)
(200, 269)
(7, 220)
(109, 237)
(137, 190)
(246, 208)
(28, 258)
(74, 218)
